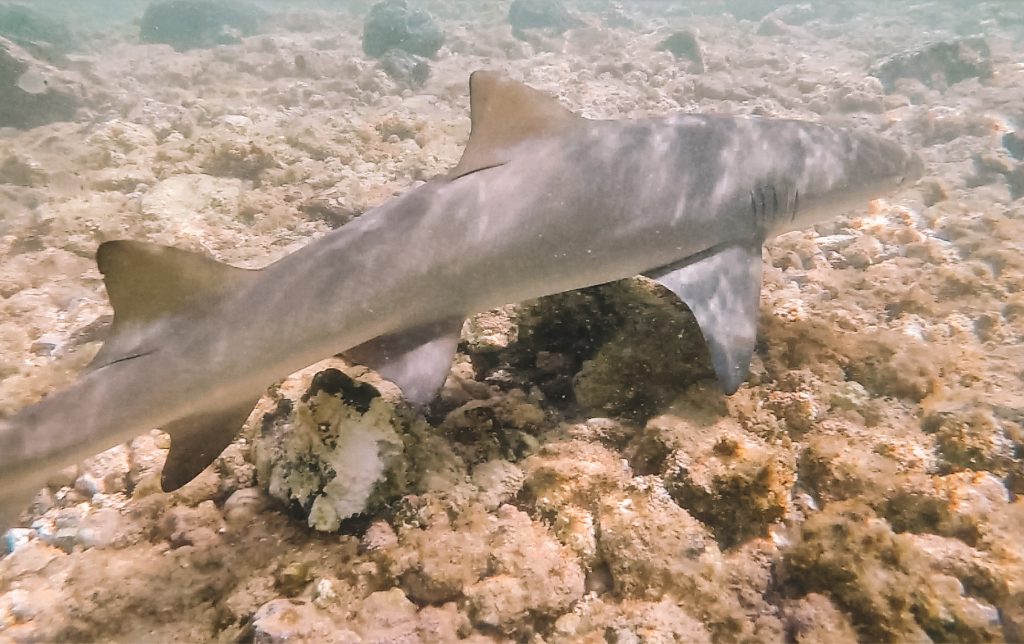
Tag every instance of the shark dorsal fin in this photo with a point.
(146, 282)
(504, 112)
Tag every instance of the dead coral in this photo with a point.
(814, 618)
(891, 364)
(598, 620)
(653, 548)
(970, 437)
(881, 580)
(240, 159)
(507, 568)
(733, 481)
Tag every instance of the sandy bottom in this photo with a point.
(580, 478)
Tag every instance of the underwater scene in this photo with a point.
(511, 321)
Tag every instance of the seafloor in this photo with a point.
(581, 477)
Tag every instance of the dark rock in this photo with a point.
(33, 93)
(43, 37)
(1014, 144)
(394, 24)
(937, 65)
(406, 68)
(330, 210)
(540, 14)
(196, 24)
(684, 45)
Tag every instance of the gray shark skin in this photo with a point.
(543, 201)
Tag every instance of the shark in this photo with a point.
(542, 201)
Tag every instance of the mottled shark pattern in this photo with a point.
(542, 201)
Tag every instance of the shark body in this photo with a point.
(542, 201)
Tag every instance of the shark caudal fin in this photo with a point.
(147, 283)
(503, 113)
(722, 287)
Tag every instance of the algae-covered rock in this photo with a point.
(410, 69)
(814, 618)
(33, 93)
(502, 426)
(195, 24)
(732, 480)
(287, 620)
(651, 544)
(398, 24)
(45, 37)
(882, 580)
(970, 437)
(598, 620)
(735, 483)
(540, 14)
(655, 549)
(685, 45)
(832, 469)
(508, 569)
(892, 364)
(938, 64)
(565, 484)
(655, 352)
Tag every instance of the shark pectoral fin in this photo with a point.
(146, 282)
(417, 359)
(197, 440)
(722, 287)
(504, 113)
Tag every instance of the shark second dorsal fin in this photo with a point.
(504, 112)
(146, 282)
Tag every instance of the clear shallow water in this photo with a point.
(580, 475)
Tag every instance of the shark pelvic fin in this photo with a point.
(417, 360)
(197, 440)
(503, 113)
(146, 282)
(722, 287)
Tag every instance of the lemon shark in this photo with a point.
(542, 201)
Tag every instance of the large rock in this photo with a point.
(937, 65)
(44, 37)
(335, 451)
(195, 24)
(395, 24)
(406, 68)
(33, 93)
(684, 45)
(540, 14)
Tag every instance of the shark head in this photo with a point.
(843, 170)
